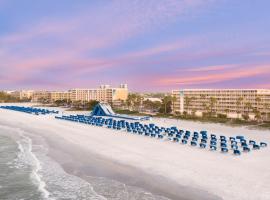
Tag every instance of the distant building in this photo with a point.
(58, 95)
(103, 94)
(233, 102)
(26, 94)
(153, 99)
(40, 96)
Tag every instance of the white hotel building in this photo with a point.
(233, 102)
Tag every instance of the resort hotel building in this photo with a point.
(103, 94)
(235, 103)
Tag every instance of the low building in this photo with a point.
(232, 102)
(58, 95)
(26, 94)
(41, 96)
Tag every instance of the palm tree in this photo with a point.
(248, 106)
(174, 99)
(137, 101)
(130, 101)
(239, 103)
(166, 100)
(213, 102)
(257, 114)
(258, 100)
(188, 101)
(266, 106)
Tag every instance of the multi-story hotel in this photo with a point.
(103, 94)
(233, 102)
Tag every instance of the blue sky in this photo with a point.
(152, 45)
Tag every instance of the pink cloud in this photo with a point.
(211, 68)
(220, 76)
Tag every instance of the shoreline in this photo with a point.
(98, 166)
(72, 160)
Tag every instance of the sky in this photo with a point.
(152, 45)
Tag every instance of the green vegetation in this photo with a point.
(77, 105)
(6, 98)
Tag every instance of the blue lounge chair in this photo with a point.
(223, 145)
(236, 152)
(203, 141)
(263, 144)
(246, 149)
(255, 146)
(239, 137)
(251, 142)
(160, 136)
(193, 143)
(234, 146)
(224, 150)
(203, 145)
(212, 147)
(184, 141)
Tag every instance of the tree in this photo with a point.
(265, 110)
(174, 99)
(131, 101)
(248, 106)
(90, 105)
(213, 102)
(60, 102)
(151, 105)
(4, 97)
(239, 103)
(138, 101)
(257, 114)
(188, 101)
(166, 105)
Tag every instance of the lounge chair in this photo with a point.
(263, 144)
(236, 152)
(224, 150)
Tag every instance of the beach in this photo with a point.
(79, 161)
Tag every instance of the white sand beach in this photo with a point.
(165, 168)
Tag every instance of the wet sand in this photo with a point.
(82, 163)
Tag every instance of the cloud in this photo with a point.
(210, 68)
(220, 76)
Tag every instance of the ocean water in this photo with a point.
(27, 173)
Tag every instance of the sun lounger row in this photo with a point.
(200, 139)
(30, 110)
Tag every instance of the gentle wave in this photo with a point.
(26, 156)
(53, 183)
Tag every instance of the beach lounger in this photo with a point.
(255, 146)
(236, 152)
(246, 149)
(203, 145)
(263, 144)
(224, 150)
